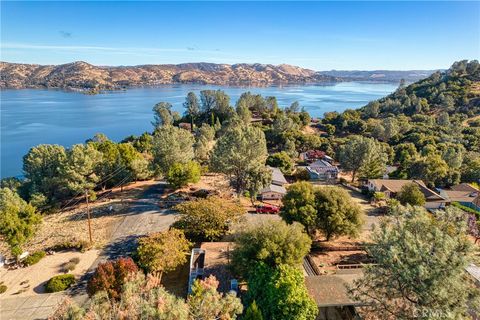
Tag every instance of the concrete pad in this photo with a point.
(42, 313)
(12, 303)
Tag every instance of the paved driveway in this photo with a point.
(143, 216)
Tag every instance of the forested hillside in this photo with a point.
(430, 129)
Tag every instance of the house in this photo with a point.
(330, 292)
(276, 190)
(322, 170)
(313, 155)
(273, 192)
(464, 194)
(212, 258)
(390, 187)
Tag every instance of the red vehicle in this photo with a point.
(267, 209)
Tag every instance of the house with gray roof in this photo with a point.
(276, 190)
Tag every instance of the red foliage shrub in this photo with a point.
(110, 276)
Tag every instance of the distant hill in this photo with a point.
(380, 75)
(81, 75)
(84, 76)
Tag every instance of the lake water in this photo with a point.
(33, 116)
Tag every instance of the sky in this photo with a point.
(316, 35)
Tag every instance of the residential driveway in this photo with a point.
(143, 216)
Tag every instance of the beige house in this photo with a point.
(276, 190)
(390, 187)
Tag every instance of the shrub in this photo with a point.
(302, 174)
(75, 260)
(34, 258)
(180, 174)
(111, 276)
(3, 288)
(60, 283)
(80, 245)
(69, 266)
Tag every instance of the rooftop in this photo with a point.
(277, 176)
(217, 259)
(331, 290)
(394, 185)
(274, 188)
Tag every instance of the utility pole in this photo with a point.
(88, 216)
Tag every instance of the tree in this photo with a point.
(281, 293)
(431, 169)
(111, 276)
(411, 194)
(163, 251)
(299, 205)
(41, 166)
(162, 114)
(271, 242)
(207, 219)
(337, 213)
(330, 210)
(419, 269)
(181, 174)
(205, 302)
(171, 145)
(191, 106)
(257, 179)
(204, 143)
(79, 170)
(471, 168)
(142, 297)
(253, 313)
(240, 151)
(363, 155)
(18, 220)
(282, 161)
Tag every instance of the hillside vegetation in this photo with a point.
(430, 129)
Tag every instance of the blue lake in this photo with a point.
(33, 116)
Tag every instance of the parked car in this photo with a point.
(267, 209)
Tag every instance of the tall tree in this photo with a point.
(18, 220)
(41, 166)
(239, 152)
(171, 145)
(329, 210)
(365, 156)
(192, 109)
(337, 213)
(419, 269)
(80, 170)
(162, 114)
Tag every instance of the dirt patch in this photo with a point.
(31, 280)
(329, 261)
(71, 225)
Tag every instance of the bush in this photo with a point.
(111, 276)
(466, 209)
(69, 266)
(34, 258)
(75, 260)
(80, 245)
(3, 288)
(180, 174)
(302, 174)
(60, 283)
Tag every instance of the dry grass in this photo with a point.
(72, 225)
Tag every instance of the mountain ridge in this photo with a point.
(80, 75)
